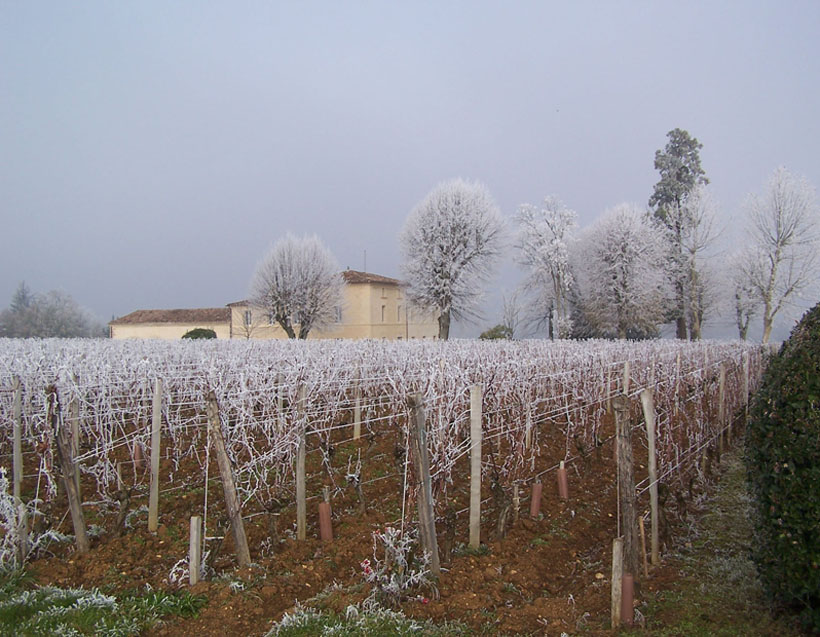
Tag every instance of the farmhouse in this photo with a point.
(373, 306)
(171, 324)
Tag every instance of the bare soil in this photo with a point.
(549, 574)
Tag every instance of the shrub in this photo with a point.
(200, 332)
(783, 464)
(497, 332)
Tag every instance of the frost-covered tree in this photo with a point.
(744, 302)
(622, 286)
(51, 315)
(681, 173)
(783, 244)
(699, 213)
(450, 243)
(543, 248)
(298, 284)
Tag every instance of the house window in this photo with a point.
(384, 293)
(248, 318)
(398, 314)
(384, 307)
(338, 314)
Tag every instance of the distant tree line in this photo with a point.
(633, 270)
(50, 315)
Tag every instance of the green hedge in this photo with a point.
(200, 332)
(783, 462)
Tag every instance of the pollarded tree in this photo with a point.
(298, 284)
(681, 172)
(744, 302)
(543, 242)
(699, 232)
(450, 242)
(622, 286)
(784, 241)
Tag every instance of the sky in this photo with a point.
(152, 152)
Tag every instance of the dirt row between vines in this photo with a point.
(549, 574)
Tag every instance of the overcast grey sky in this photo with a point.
(151, 152)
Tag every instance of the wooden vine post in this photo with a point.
(357, 411)
(475, 466)
(195, 550)
(243, 554)
(421, 466)
(156, 425)
(61, 437)
(617, 580)
(746, 385)
(17, 445)
(722, 405)
(648, 404)
(528, 425)
(626, 484)
(301, 490)
(677, 383)
(74, 420)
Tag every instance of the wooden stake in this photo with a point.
(677, 383)
(22, 535)
(643, 548)
(67, 466)
(626, 483)
(421, 466)
(516, 502)
(617, 580)
(528, 426)
(156, 424)
(232, 506)
(301, 492)
(627, 378)
(648, 404)
(722, 403)
(475, 465)
(357, 412)
(195, 550)
(17, 416)
(746, 385)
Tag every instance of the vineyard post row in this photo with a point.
(156, 421)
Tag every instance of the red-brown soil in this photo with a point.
(549, 574)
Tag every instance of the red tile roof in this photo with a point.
(201, 315)
(354, 276)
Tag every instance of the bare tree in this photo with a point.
(543, 242)
(511, 311)
(698, 233)
(619, 268)
(745, 303)
(298, 284)
(783, 244)
(450, 243)
(54, 314)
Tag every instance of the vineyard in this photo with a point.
(305, 423)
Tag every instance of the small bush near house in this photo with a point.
(200, 332)
(497, 332)
(783, 463)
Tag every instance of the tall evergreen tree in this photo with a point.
(681, 172)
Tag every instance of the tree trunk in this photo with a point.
(767, 328)
(444, 325)
(681, 328)
(288, 328)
